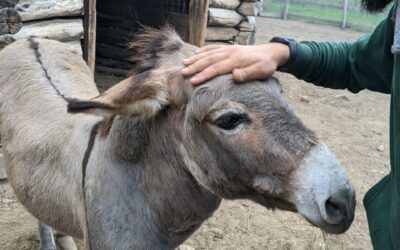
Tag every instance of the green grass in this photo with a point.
(363, 20)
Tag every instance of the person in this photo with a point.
(367, 63)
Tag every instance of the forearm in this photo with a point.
(325, 64)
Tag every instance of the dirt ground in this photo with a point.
(355, 127)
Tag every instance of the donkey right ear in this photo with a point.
(131, 97)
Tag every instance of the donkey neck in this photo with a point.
(152, 148)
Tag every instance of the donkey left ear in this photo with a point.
(131, 97)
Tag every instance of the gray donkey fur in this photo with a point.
(165, 153)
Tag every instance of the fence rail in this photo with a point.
(340, 13)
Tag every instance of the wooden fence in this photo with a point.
(344, 22)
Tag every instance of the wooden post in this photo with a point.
(89, 50)
(345, 7)
(285, 10)
(198, 14)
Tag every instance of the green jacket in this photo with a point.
(365, 64)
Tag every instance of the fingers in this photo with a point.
(209, 47)
(221, 68)
(204, 52)
(252, 72)
(198, 57)
(202, 63)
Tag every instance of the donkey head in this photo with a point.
(236, 140)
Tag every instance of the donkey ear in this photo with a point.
(136, 96)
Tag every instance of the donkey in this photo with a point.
(144, 164)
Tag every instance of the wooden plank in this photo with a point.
(90, 25)
(55, 29)
(198, 11)
(43, 9)
(223, 17)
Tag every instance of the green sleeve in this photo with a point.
(364, 64)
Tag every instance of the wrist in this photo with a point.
(291, 46)
(280, 53)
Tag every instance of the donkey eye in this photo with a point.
(231, 120)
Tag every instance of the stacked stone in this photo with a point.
(232, 21)
(52, 19)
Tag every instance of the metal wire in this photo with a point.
(172, 6)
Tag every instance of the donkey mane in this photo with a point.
(149, 44)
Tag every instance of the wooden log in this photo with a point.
(56, 29)
(113, 63)
(8, 3)
(221, 34)
(198, 11)
(223, 17)
(43, 9)
(112, 71)
(245, 38)
(248, 25)
(10, 21)
(225, 4)
(247, 9)
(114, 52)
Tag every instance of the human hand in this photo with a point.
(244, 62)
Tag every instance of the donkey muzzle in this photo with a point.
(323, 193)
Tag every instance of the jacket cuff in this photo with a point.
(301, 63)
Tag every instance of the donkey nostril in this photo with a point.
(335, 210)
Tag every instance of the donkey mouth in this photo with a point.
(273, 202)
